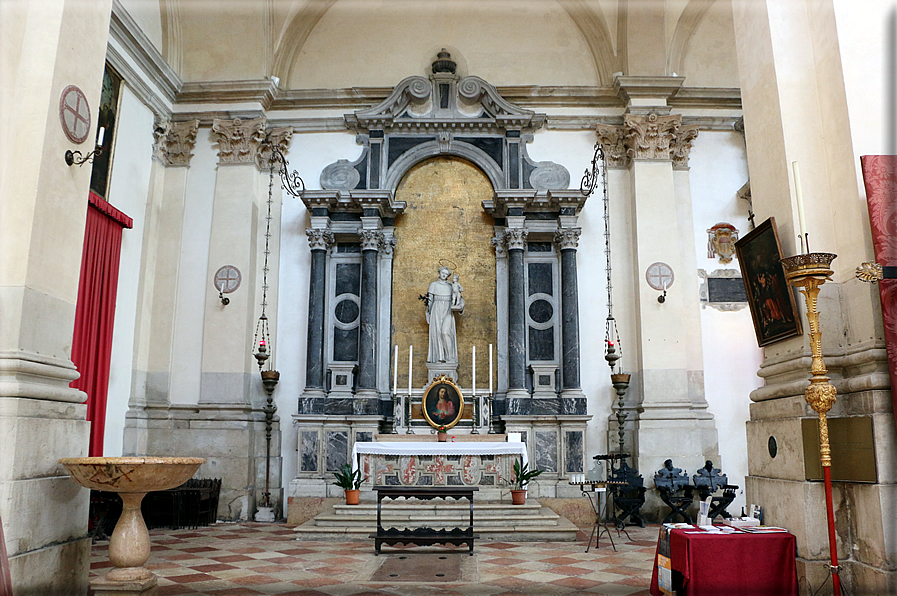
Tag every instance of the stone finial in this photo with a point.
(370, 239)
(567, 238)
(612, 139)
(680, 146)
(279, 137)
(649, 137)
(174, 141)
(319, 239)
(444, 63)
(515, 238)
(237, 140)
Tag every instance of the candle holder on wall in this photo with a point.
(808, 272)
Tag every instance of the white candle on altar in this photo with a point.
(474, 372)
(490, 370)
(410, 360)
(800, 209)
(395, 372)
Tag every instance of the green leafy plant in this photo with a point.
(441, 429)
(522, 475)
(347, 479)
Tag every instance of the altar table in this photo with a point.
(710, 564)
(436, 448)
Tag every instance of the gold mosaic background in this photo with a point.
(444, 222)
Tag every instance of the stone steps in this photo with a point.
(492, 520)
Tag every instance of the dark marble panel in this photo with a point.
(516, 321)
(367, 365)
(319, 211)
(348, 278)
(338, 405)
(337, 449)
(531, 407)
(569, 320)
(454, 481)
(347, 311)
(308, 448)
(513, 165)
(541, 344)
(311, 405)
(364, 437)
(726, 289)
(540, 311)
(573, 406)
(345, 344)
(545, 450)
(540, 279)
(537, 246)
(492, 146)
(399, 145)
(527, 171)
(375, 164)
(574, 445)
(362, 169)
(543, 216)
(366, 406)
(425, 481)
(314, 363)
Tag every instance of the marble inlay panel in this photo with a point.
(337, 449)
(546, 451)
(573, 461)
(308, 449)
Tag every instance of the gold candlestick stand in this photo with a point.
(808, 272)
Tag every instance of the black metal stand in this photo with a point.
(587, 491)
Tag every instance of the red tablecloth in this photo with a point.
(738, 564)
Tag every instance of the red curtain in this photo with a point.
(880, 178)
(95, 312)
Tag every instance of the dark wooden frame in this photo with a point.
(431, 395)
(773, 306)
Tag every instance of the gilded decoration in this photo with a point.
(444, 224)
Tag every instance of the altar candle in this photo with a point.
(101, 136)
(474, 371)
(395, 372)
(410, 360)
(490, 370)
(800, 208)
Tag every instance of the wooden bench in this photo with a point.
(423, 536)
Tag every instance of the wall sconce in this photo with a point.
(75, 158)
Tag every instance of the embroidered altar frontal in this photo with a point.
(437, 470)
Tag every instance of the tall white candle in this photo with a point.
(410, 360)
(101, 136)
(490, 370)
(395, 372)
(800, 207)
(474, 371)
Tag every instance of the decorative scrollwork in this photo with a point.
(870, 272)
(289, 181)
(593, 172)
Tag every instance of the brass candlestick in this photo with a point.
(808, 272)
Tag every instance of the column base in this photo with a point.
(101, 586)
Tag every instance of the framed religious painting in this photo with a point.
(771, 299)
(443, 403)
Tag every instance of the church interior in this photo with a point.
(255, 232)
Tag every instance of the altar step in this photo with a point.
(492, 520)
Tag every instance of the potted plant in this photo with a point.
(350, 481)
(440, 433)
(522, 476)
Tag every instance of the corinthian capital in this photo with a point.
(388, 245)
(649, 137)
(319, 239)
(612, 139)
(279, 137)
(515, 238)
(567, 238)
(680, 147)
(174, 141)
(370, 239)
(237, 140)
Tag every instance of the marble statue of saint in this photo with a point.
(443, 340)
(457, 298)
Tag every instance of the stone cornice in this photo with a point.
(174, 142)
(262, 91)
(629, 88)
(353, 201)
(533, 201)
(125, 30)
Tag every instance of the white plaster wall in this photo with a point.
(193, 285)
(128, 188)
(710, 60)
(381, 42)
(731, 356)
(148, 16)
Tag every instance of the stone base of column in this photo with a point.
(100, 586)
(449, 369)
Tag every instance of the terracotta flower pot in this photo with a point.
(518, 497)
(441, 437)
(352, 497)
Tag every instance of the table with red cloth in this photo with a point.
(739, 563)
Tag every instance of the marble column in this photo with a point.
(319, 242)
(515, 240)
(367, 343)
(567, 240)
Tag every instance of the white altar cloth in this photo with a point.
(446, 448)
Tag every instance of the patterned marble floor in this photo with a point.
(251, 558)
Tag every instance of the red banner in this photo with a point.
(880, 178)
(95, 312)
